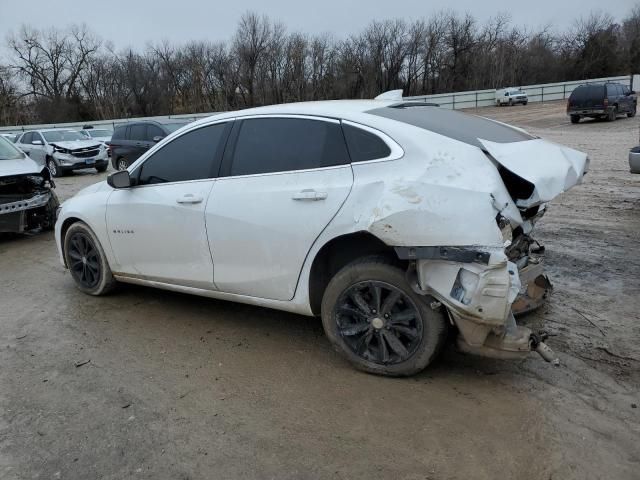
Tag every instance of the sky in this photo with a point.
(135, 23)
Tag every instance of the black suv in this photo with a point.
(131, 140)
(601, 100)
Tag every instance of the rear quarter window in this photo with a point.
(364, 145)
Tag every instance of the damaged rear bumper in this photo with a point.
(482, 290)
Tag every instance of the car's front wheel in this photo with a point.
(632, 113)
(575, 119)
(374, 319)
(53, 168)
(86, 260)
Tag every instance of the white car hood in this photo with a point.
(551, 168)
(23, 166)
(75, 144)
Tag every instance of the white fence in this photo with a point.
(536, 93)
(473, 99)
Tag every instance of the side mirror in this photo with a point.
(157, 138)
(36, 142)
(119, 179)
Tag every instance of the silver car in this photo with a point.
(63, 150)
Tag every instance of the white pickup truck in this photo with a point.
(511, 96)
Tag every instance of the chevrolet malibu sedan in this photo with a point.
(395, 222)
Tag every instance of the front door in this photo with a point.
(286, 178)
(157, 228)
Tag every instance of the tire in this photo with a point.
(632, 113)
(102, 169)
(122, 164)
(525, 103)
(51, 209)
(54, 169)
(613, 114)
(86, 261)
(511, 102)
(410, 344)
(575, 119)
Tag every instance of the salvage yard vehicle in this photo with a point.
(601, 100)
(27, 199)
(395, 221)
(131, 140)
(63, 151)
(511, 96)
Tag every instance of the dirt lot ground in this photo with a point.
(180, 387)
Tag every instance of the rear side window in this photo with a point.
(119, 133)
(364, 145)
(193, 156)
(267, 145)
(138, 132)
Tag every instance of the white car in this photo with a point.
(391, 220)
(63, 151)
(511, 96)
(27, 199)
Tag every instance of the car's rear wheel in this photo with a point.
(511, 102)
(102, 168)
(86, 260)
(122, 164)
(575, 119)
(613, 114)
(374, 319)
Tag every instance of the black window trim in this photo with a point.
(225, 167)
(215, 172)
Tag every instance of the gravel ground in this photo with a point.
(153, 384)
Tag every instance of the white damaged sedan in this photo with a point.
(394, 221)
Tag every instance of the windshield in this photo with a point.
(172, 127)
(8, 151)
(100, 133)
(62, 136)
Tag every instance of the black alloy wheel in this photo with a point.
(378, 322)
(84, 260)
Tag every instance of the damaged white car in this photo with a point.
(27, 201)
(394, 221)
(63, 151)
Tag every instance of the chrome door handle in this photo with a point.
(309, 195)
(189, 199)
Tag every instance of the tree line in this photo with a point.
(70, 74)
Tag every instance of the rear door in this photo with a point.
(284, 179)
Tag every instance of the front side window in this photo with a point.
(192, 156)
(267, 145)
(154, 131)
(138, 132)
(26, 138)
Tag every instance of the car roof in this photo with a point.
(382, 113)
